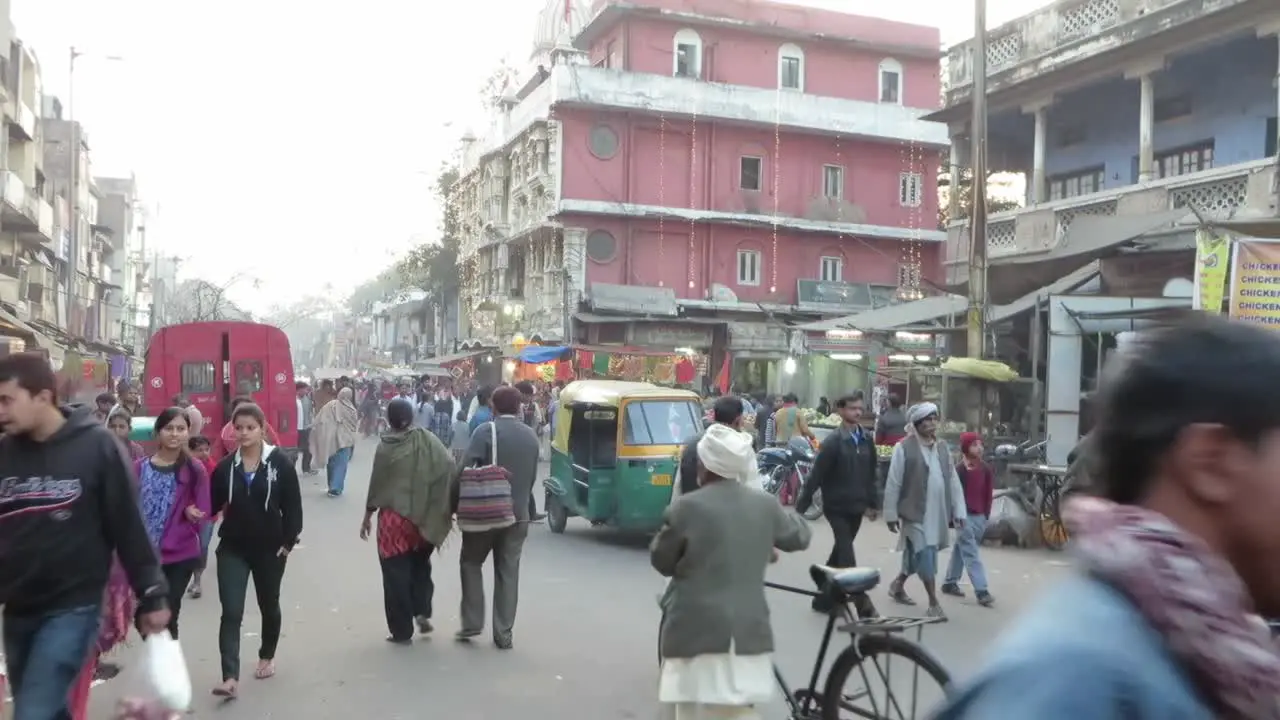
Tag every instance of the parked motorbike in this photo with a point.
(783, 471)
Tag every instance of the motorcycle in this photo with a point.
(783, 471)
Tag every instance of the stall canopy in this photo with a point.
(919, 312)
(541, 353)
(444, 360)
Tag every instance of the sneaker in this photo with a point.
(985, 599)
(953, 589)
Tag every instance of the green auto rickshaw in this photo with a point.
(615, 452)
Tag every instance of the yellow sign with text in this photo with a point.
(1255, 282)
(1213, 257)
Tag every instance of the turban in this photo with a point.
(727, 453)
(920, 412)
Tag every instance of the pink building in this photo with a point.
(697, 172)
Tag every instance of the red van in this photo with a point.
(213, 362)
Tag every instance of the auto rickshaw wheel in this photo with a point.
(557, 514)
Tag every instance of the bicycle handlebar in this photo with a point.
(790, 589)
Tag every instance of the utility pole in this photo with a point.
(977, 335)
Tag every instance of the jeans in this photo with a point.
(178, 575)
(45, 654)
(965, 554)
(304, 444)
(234, 571)
(336, 470)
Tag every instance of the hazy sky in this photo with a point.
(293, 141)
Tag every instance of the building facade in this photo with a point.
(127, 313)
(744, 157)
(1121, 109)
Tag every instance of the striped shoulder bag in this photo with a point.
(484, 494)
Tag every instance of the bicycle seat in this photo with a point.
(846, 580)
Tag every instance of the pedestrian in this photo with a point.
(323, 396)
(103, 405)
(194, 416)
(409, 490)
(200, 449)
(979, 484)
(922, 499)
(173, 492)
(716, 641)
(120, 422)
(1174, 550)
(129, 400)
(306, 416)
(229, 439)
(824, 407)
(517, 452)
(68, 505)
(256, 491)
(442, 416)
(788, 423)
(483, 412)
(333, 437)
(891, 422)
(531, 415)
(424, 410)
(845, 471)
(460, 437)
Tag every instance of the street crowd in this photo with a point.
(1163, 619)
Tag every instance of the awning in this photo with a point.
(444, 360)
(538, 354)
(918, 312)
(655, 301)
(1061, 286)
(596, 319)
(1267, 228)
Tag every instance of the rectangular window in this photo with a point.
(686, 60)
(790, 71)
(748, 267)
(833, 182)
(910, 189)
(832, 269)
(196, 377)
(890, 86)
(1273, 136)
(248, 377)
(661, 422)
(1077, 183)
(750, 171)
(1184, 160)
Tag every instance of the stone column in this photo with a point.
(1039, 192)
(1145, 75)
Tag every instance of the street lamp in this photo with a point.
(73, 157)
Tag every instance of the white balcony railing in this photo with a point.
(44, 220)
(25, 119)
(12, 190)
(106, 275)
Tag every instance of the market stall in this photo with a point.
(981, 396)
(623, 363)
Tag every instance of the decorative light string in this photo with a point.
(662, 189)
(693, 190)
(839, 203)
(777, 179)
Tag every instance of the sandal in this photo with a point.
(226, 690)
(900, 596)
(935, 611)
(266, 669)
(195, 592)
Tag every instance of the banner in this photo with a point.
(1255, 282)
(1213, 256)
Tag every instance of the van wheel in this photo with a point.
(557, 514)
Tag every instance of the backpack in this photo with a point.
(484, 494)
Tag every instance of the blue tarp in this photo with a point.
(541, 353)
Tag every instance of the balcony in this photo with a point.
(1217, 193)
(1077, 33)
(25, 212)
(20, 119)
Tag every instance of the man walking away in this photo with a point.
(979, 494)
(518, 453)
(788, 423)
(845, 471)
(530, 415)
(306, 415)
(67, 505)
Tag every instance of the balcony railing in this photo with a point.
(12, 190)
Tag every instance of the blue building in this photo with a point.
(1140, 111)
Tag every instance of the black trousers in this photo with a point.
(304, 443)
(844, 530)
(407, 590)
(234, 572)
(178, 575)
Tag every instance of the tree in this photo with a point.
(286, 315)
(200, 300)
(381, 287)
(500, 83)
(995, 203)
(433, 266)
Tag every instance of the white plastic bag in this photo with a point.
(167, 672)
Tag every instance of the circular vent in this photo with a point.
(601, 246)
(604, 142)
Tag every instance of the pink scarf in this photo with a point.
(1191, 596)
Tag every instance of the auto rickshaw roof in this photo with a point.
(613, 392)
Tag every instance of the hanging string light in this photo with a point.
(662, 190)
(777, 179)
(693, 190)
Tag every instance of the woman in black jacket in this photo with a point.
(256, 490)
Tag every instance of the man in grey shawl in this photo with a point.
(923, 498)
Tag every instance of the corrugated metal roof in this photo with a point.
(1061, 286)
(892, 317)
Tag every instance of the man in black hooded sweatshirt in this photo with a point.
(67, 502)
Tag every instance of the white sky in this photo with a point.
(293, 141)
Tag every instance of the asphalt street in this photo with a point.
(585, 639)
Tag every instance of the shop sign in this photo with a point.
(672, 336)
(846, 296)
(633, 299)
(1255, 283)
(757, 336)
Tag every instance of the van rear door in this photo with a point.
(256, 371)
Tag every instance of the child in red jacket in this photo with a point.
(201, 450)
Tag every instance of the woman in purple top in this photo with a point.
(173, 491)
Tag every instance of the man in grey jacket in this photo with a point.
(518, 453)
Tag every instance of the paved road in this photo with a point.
(584, 642)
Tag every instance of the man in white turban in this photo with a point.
(922, 497)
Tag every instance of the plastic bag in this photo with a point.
(167, 672)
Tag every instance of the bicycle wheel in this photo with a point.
(901, 696)
(1053, 531)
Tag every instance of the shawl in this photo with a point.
(412, 473)
(336, 426)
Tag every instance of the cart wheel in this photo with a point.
(557, 514)
(1053, 530)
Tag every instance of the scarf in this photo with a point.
(412, 472)
(1192, 598)
(336, 426)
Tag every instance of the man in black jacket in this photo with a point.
(845, 471)
(67, 504)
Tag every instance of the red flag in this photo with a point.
(722, 381)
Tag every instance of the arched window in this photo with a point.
(890, 81)
(687, 58)
(791, 67)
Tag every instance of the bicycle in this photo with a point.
(872, 639)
